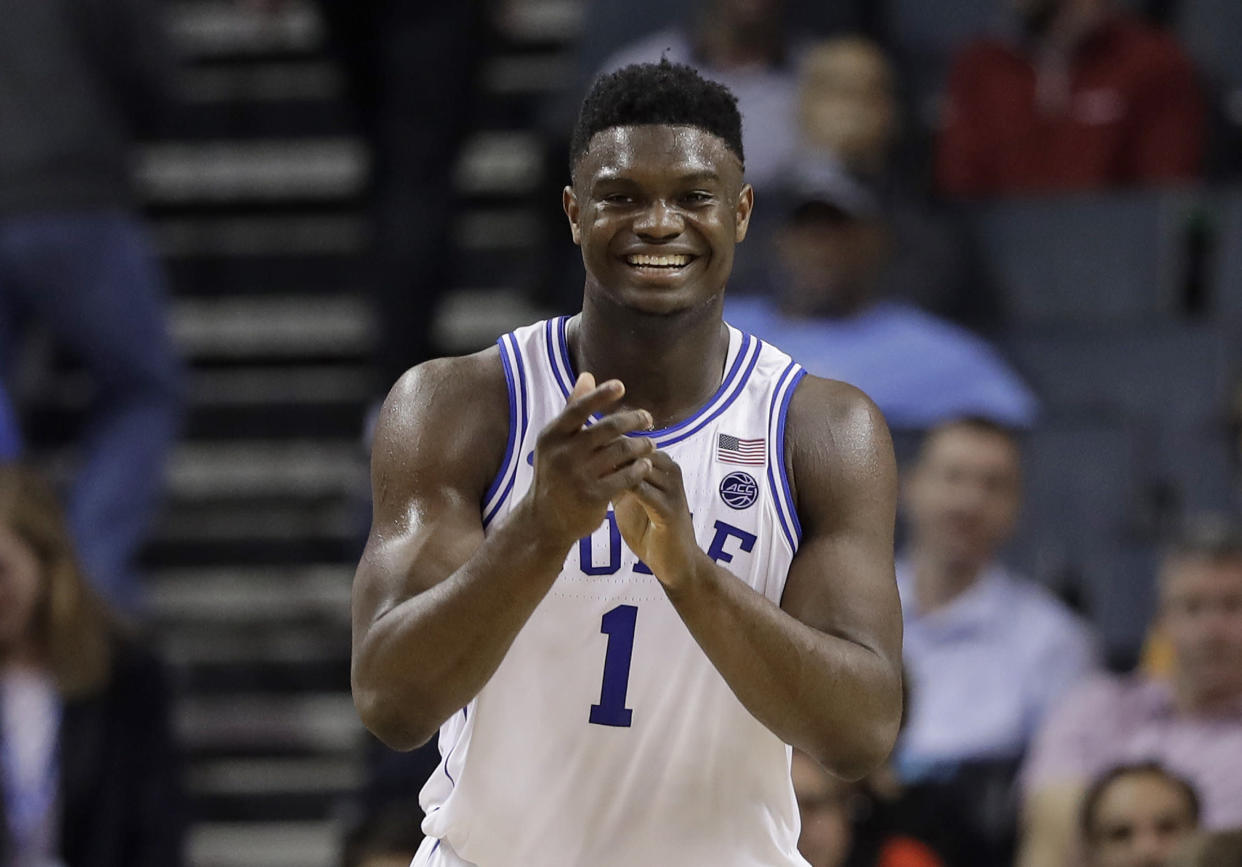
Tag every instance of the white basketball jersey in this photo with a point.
(606, 738)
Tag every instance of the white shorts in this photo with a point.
(436, 853)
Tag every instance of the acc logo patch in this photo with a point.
(739, 490)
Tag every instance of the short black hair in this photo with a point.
(1089, 812)
(977, 423)
(657, 93)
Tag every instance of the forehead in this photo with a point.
(1135, 794)
(961, 443)
(652, 151)
(1203, 575)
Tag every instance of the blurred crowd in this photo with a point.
(873, 133)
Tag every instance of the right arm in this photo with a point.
(436, 604)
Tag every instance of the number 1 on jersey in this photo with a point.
(618, 625)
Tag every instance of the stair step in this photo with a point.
(274, 519)
(253, 170)
(325, 722)
(500, 162)
(223, 28)
(186, 646)
(295, 468)
(318, 236)
(314, 80)
(271, 844)
(541, 21)
(538, 74)
(285, 678)
(276, 776)
(273, 326)
(470, 319)
(238, 596)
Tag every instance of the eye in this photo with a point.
(697, 197)
(616, 199)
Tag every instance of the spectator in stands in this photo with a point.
(411, 69)
(748, 46)
(849, 115)
(77, 81)
(1136, 815)
(1235, 429)
(876, 822)
(987, 651)
(1083, 95)
(1219, 849)
(847, 104)
(1191, 722)
(826, 311)
(10, 440)
(90, 772)
(745, 45)
(388, 838)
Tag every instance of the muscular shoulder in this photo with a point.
(837, 447)
(446, 415)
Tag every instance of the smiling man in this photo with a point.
(621, 603)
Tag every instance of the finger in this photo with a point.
(580, 408)
(585, 382)
(624, 479)
(618, 424)
(665, 473)
(620, 452)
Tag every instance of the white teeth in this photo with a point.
(678, 261)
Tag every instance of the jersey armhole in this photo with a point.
(515, 384)
(778, 478)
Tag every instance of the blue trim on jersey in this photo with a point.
(524, 416)
(738, 384)
(777, 477)
(511, 443)
(562, 340)
(444, 766)
(564, 378)
(786, 493)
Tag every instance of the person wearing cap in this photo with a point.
(825, 305)
(10, 440)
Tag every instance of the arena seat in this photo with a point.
(1092, 258)
(1227, 271)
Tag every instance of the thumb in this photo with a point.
(586, 382)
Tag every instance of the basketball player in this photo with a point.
(624, 559)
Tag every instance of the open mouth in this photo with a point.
(663, 264)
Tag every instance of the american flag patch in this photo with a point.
(732, 450)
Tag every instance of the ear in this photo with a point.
(745, 204)
(569, 201)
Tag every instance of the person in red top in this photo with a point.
(1084, 96)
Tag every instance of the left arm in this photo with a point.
(823, 670)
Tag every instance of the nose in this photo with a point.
(658, 222)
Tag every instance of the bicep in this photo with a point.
(841, 581)
(404, 559)
(426, 491)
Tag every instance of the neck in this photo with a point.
(940, 580)
(23, 656)
(670, 364)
